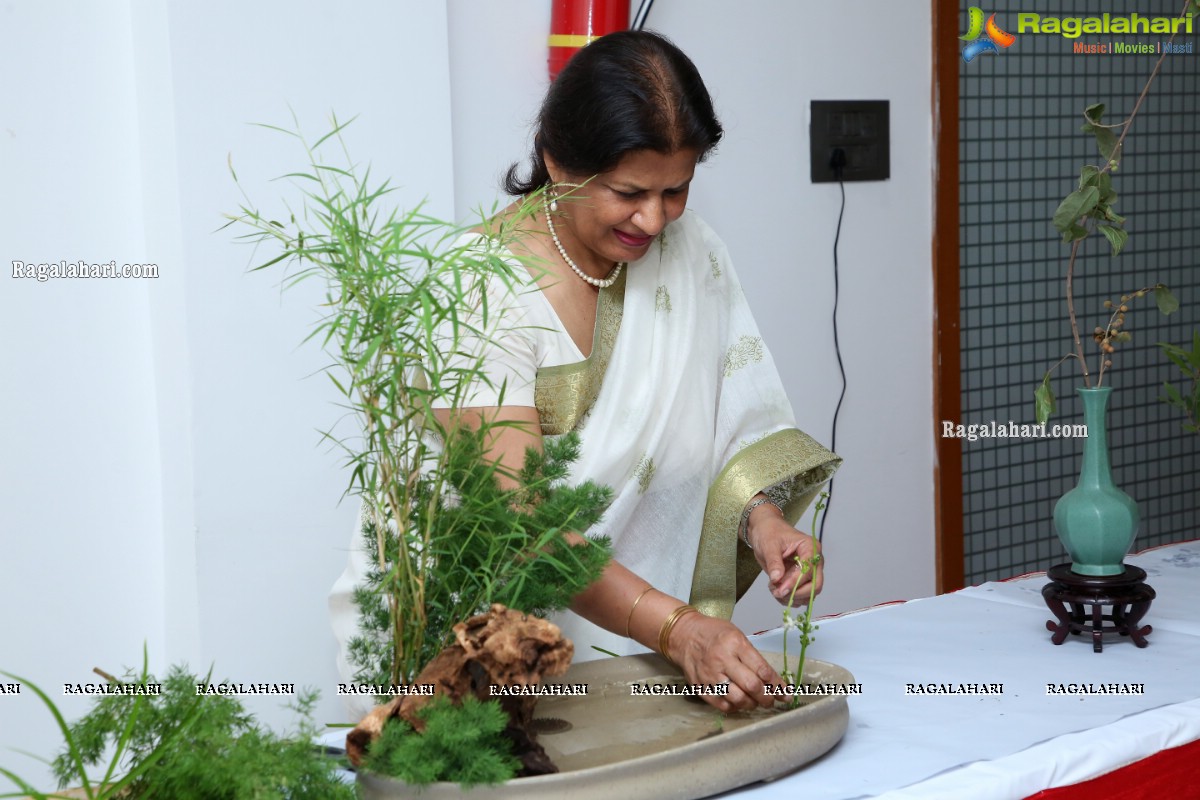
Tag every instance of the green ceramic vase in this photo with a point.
(1096, 521)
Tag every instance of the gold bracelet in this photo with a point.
(629, 619)
(664, 633)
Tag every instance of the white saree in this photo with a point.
(681, 411)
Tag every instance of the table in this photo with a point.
(903, 745)
(926, 746)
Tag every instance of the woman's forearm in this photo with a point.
(609, 601)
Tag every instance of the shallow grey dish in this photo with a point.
(656, 748)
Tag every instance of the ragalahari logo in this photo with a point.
(981, 38)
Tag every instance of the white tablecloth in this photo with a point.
(975, 746)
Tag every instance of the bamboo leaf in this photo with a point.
(1178, 356)
(337, 129)
(1173, 397)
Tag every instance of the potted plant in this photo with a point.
(449, 534)
(459, 550)
(1096, 521)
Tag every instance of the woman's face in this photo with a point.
(617, 214)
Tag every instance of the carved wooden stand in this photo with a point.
(1127, 594)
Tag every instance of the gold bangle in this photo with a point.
(664, 633)
(629, 619)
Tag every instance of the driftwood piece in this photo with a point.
(500, 648)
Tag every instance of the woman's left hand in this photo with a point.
(776, 547)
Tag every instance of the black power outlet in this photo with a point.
(849, 141)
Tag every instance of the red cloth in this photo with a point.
(1167, 775)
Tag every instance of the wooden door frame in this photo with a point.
(947, 373)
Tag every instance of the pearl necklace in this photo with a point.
(599, 283)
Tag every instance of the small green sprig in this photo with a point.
(1189, 364)
(803, 624)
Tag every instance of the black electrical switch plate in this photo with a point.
(849, 141)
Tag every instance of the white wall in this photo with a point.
(81, 577)
(161, 478)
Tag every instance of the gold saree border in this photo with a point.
(563, 394)
(725, 567)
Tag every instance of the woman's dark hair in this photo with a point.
(627, 91)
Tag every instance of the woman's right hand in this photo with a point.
(709, 651)
(714, 651)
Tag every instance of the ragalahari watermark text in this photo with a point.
(58, 270)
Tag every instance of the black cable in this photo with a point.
(639, 19)
(837, 164)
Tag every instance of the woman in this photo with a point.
(641, 340)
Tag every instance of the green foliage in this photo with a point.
(463, 743)
(1189, 363)
(484, 544)
(186, 746)
(1095, 196)
(1090, 206)
(80, 751)
(407, 303)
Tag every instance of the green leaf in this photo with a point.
(1106, 143)
(1116, 237)
(1089, 176)
(72, 755)
(1043, 399)
(372, 348)
(1173, 397)
(1075, 205)
(1104, 184)
(1167, 303)
(1178, 356)
(1094, 113)
(1076, 232)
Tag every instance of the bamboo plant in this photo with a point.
(406, 306)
